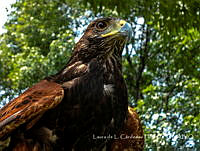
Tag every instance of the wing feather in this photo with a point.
(30, 105)
(131, 136)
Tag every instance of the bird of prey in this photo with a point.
(82, 105)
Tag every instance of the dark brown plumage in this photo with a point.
(87, 98)
(131, 137)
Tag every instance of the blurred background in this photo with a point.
(161, 64)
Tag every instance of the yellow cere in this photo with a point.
(122, 22)
(115, 30)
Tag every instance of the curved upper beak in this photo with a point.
(120, 27)
(126, 30)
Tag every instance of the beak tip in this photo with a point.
(130, 32)
(127, 31)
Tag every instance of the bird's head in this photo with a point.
(104, 37)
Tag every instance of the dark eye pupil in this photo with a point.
(101, 25)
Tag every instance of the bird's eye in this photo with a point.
(101, 25)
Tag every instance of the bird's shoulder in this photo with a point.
(29, 106)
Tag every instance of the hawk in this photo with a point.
(82, 107)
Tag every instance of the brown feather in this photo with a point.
(131, 137)
(88, 96)
(32, 103)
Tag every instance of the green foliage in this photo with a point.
(164, 14)
(37, 43)
(161, 64)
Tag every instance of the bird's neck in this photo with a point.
(84, 52)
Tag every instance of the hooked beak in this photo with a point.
(121, 28)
